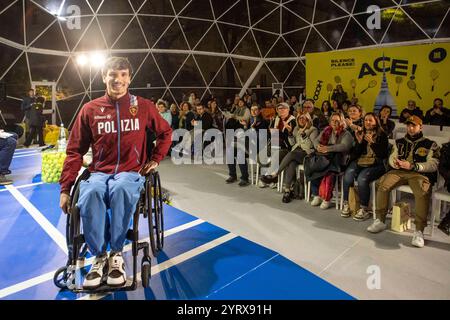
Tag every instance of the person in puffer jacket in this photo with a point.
(302, 144)
(115, 127)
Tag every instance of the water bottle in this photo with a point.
(62, 143)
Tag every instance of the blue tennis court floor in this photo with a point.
(199, 259)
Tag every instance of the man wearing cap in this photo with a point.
(414, 160)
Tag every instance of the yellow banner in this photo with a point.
(378, 76)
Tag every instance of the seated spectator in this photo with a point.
(414, 162)
(285, 124)
(438, 115)
(256, 123)
(367, 164)
(326, 108)
(332, 152)
(410, 110)
(175, 116)
(202, 118)
(339, 95)
(335, 107)
(228, 104)
(186, 116)
(355, 119)
(268, 112)
(294, 104)
(444, 171)
(386, 123)
(345, 107)
(8, 144)
(163, 111)
(192, 97)
(302, 144)
(216, 115)
(241, 112)
(319, 120)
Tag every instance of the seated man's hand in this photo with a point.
(152, 165)
(64, 202)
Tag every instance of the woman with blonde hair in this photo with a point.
(302, 144)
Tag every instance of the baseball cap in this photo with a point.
(414, 120)
(283, 105)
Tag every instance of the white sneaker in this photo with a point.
(95, 277)
(345, 213)
(417, 240)
(361, 215)
(273, 185)
(325, 205)
(376, 226)
(116, 273)
(316, 201)
(262, 184)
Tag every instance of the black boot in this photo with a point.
(287, 196)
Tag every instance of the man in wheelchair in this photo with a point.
(114, 126)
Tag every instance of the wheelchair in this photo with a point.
(150, 206)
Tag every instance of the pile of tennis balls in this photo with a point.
(52, 165)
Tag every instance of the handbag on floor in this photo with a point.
(353, 200)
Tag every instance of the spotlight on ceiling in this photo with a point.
(97, 59)
(82, 60)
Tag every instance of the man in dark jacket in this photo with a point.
(410, 110)
(438, 115)
(255, 123)
(36, 122)
(27, 102)
(414, 160)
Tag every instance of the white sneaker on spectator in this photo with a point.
(262, 184)
(376, 226)
(361, 215)
(417, 240)
(116, 272)
(325, 205)
(95, 276)
(316, 201)
(345, 210)
(273, 185)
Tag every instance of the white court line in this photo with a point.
(40, 218)
(25, 186)
(49, 275)
(27, 155)
(241, 276)
(173, 262)
(26, 152)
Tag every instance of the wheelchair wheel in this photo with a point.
(60, 278)
(159, 216)
(155, 213)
